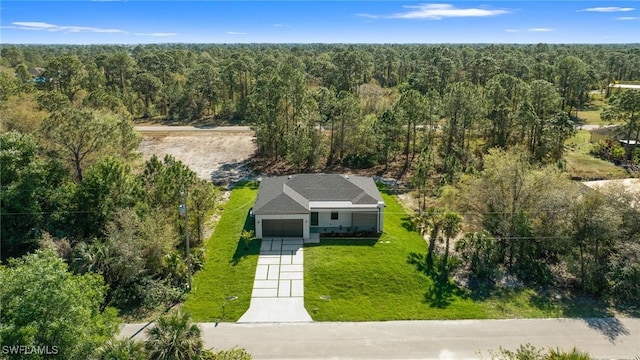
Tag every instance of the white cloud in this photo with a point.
(158, 34)
(236, 33)
(281, 25)
(34, 25)
(608, 9)
(43, 26)
(529, 30)
(437, 12)
(628, 18)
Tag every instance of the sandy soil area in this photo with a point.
(216, 156)
(631, 185)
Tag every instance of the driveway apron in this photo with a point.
(278, 288)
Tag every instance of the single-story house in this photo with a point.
(307, 205)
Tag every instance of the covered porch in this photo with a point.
(343, 231)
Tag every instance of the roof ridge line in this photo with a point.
(295, 196)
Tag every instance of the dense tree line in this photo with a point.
(319, 106)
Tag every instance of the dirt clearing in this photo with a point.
(219, 156)
(631, 186)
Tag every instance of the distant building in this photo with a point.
(615, 88)
(604, 133)
(36, 72)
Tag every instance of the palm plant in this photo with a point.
(433, 221)
(450, 227)
(174, 337)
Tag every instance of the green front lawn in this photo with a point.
(592, 117)
(229, 269)
(368, 280)
(351, 280)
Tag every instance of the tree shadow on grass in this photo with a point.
(408, 224)
(543, 301)
(441, 292)
(252, 247)
(481, 289)
(253, 185)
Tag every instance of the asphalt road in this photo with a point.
(591, 127)
(614, 338)
(222, 129)
(174, 129)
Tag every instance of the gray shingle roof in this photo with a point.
(291, 194)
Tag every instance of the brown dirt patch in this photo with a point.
(220, 157)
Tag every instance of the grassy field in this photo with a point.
(368, 280)
(229, 269)
(592, 117)
(584, 166)
(591, 114)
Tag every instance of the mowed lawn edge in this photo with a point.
(379, 280)
(226, 278)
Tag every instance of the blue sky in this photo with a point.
(138, 21)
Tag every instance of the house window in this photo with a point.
(314, 219)
(334, 215)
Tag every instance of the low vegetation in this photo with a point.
(226, 280)
(530, 352)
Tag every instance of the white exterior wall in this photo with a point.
(304, 217)
(324, 218)
(380, 217)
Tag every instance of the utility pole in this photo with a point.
(185, 211)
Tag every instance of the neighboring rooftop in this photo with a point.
(292, 194)
(624, 86)
(35, 72)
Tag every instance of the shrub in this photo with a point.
(608, 150)
(360, 161)
(232, 354)
(530, 352)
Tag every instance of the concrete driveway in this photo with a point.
(278, 288)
